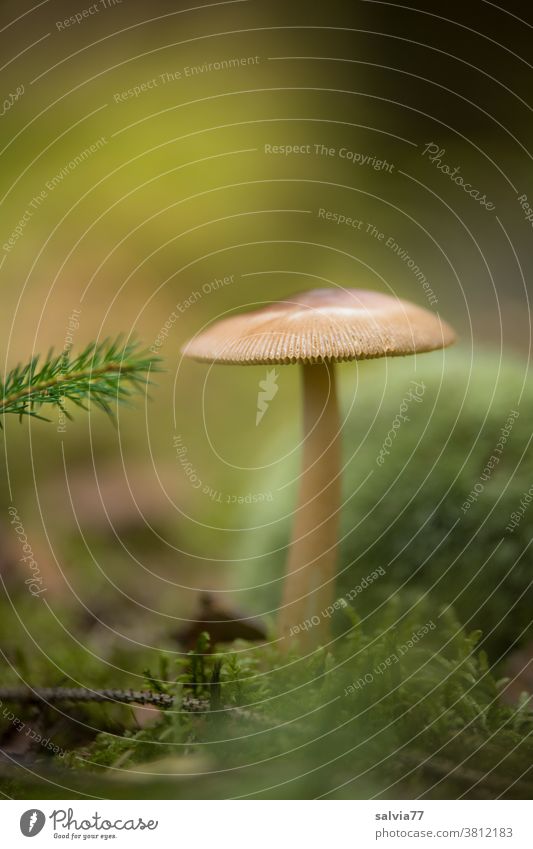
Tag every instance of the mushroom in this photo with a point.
(223, 625)
(318, 329)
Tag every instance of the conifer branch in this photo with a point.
(102, 373)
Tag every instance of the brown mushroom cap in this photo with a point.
(320, 325)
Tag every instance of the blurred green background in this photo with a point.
(180, 214)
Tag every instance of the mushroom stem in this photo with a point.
(311, 564)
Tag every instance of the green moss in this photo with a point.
(429, 512)
(408, 708)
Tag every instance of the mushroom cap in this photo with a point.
(322, 325)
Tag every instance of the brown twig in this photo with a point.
(55, 695)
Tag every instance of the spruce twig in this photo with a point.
(102, 373)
